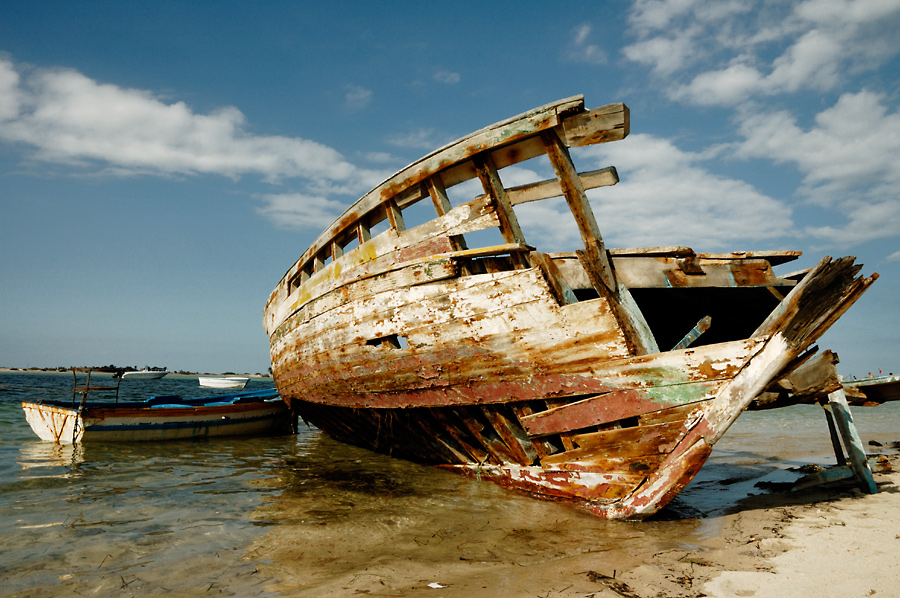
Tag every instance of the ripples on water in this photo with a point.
(226, 516)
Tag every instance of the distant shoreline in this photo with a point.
(6, 370)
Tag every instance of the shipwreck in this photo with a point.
(604, 376)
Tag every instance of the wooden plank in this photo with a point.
(535, 336)
(857, 455)
(541, 446)
(648, 272)
(402, 278)
(558, 285)
(551, 188)
(450, 422)
(438, 194)
(616, 405)
(383, 250)
(631, 450)
(600, 125)
(573, 191)
(493, 187)
(487, 437)
(519, 327)
(512, 434)
(695, 332)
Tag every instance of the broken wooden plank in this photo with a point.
(615, 405)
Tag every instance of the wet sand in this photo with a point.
(829, 541)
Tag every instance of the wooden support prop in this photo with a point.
(857, 455)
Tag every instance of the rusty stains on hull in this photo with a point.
(459, 343)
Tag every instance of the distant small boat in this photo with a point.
(223, 381)
(145, 374)
(158, 418)
(875, 389)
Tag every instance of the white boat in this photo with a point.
(145, 374)
(223, 381)
(158, 418)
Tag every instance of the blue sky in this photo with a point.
(163, 164)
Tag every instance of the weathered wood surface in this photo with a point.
(855, 452)
(643, 272)
(539, 371)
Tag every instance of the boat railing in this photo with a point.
(86, 387)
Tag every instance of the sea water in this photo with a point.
(236, 516)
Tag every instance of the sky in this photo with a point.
(163, 164)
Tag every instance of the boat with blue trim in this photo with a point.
(166, 417)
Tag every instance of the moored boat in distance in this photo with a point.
(223, 381)
(602, 376)
(145, 374)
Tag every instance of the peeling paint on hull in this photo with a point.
(542, 372)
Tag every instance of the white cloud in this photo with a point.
(448, 77)
(752, 49)
(9, 91)
(894, 257)
(853, 143)
(357, 97)
(423, 139)
(850, 159)
(68, 118)
(855, 11)
(664, 55)
(731, 85)
(666, 197)
(299, 211)
(653, 15)
(581, 50)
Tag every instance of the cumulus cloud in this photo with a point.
(759, 49)
(422, 139)
(582, 50)
(666, 197)
(448, 77)
(65, 117)
(357, 98)
(299, 211)
(850, 159)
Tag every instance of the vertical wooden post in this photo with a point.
(363, 232)
(573, 191)
(858, 461)
(835, 439)
(395, 216)
(438, 193)
(493, 187)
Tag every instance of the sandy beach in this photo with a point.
(828, 541)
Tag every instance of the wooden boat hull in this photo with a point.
(60, 422)
(542, 372)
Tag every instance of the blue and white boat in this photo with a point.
(166, 417)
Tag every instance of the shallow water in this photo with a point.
(304, 515)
